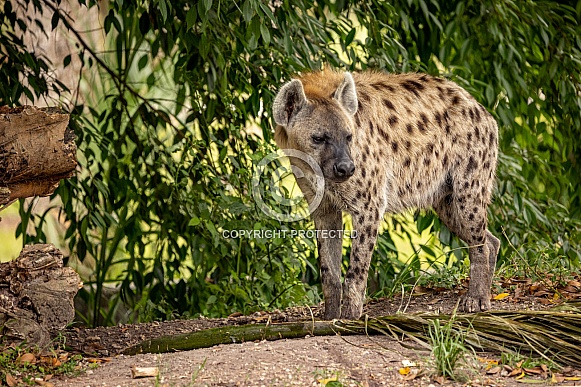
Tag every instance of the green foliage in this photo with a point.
(448, 348)
(516, 360)
(522, 60)
(447, 275)
(22, 73)
(177, 116)
(27, 365)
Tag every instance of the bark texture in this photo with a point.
(37, 150)
(36, 295)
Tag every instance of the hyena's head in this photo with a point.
(320, 126)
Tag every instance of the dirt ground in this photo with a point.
(310, 361)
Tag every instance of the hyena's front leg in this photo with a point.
(355, 284)
(329, 242)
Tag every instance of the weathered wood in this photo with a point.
(37, 150)
(36, 295)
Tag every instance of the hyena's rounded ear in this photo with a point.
(347, 95)
(289, 100)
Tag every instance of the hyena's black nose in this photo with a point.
(344, 169)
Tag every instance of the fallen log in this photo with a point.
(37, 150)
(237, 334)
(554, 335)
(36, 295)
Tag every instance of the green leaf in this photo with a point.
(490, 97)
(424, 222)
(143, 61)
(163, 9)
(194, 221)
(191, 17)
(247, 11)
(265, 34)
(254, 32)
(445, 236)
(54, 21)
(207, 4)
(144, 23)
(212, 228)
(204, 46)
(350, 36)
(268, 12)
(202, 14)
(428, 250)
(107, 22)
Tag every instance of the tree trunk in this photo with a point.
(37, 150)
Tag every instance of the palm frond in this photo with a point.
(551, 334)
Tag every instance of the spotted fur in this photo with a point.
(416, 141)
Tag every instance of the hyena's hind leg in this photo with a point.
(465, 215)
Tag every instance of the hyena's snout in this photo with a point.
(344, 169)
(343, 166)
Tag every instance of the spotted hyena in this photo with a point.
(387, 143)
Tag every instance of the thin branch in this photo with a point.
(114, 76)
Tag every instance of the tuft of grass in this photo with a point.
(196, 373)
(447, 346)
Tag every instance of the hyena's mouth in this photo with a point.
(335, 179)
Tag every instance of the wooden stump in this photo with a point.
(37, 150)
(36, 295)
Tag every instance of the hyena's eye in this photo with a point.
(349, 137)
(318, 139)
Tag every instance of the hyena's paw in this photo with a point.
(474, 303)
